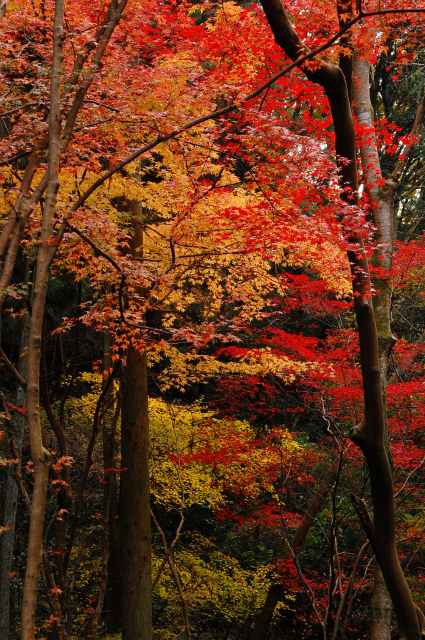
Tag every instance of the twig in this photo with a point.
(415, 128)
(21, 108)
(17, 156)
(171, 546)
(409, 475)
(307, 587)
(332, 535)
(20, 378)
(364, 518)
(88, 465)
(170, 559)
(18, 475)
(122, 283)
(348, 590)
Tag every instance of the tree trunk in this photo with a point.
(38, 453)
(381, 202)
(370, 436)
(381, 609)
(135, 519)
(135, 513)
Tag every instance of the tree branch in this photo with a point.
(235, 105)
(19, 377)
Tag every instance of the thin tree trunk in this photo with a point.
(370, 435)
(7, 540)
(381, 193)
(13, 228)
(381, 202)
(109, 583)
(112, 598)
(38, 453)
(110, 415)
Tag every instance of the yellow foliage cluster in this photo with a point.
(213, 583)
(173, 432)
(182, 477)
(187, 367)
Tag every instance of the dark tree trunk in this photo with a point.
(370, 435)
(135, 513)
(382, 209)
(135, 519)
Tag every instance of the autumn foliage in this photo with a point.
(181, 198)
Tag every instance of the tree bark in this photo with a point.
(135, 519)
(38, 453)
(381, 609)
(135, 514)
(381, 203)
(370, 436)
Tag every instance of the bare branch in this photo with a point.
(20, 378)
(364, 518)
(347, 593)
(414, 131)
(409, 475)
(16, 109)
(170, 559)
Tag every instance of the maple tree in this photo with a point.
(190, 238)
